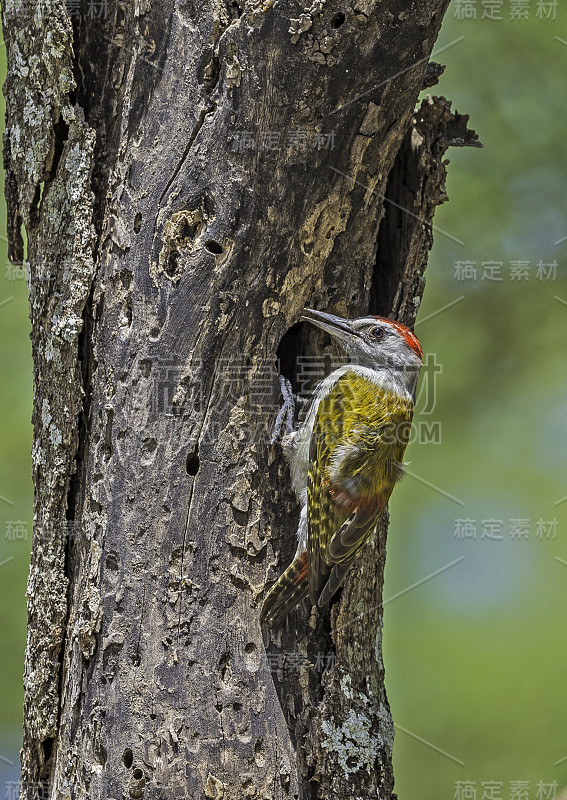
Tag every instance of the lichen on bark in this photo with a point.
(48, 158)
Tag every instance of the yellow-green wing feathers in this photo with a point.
(358, 442)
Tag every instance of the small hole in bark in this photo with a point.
(138, 774)
(47, 746)
(224, 665)
(128, 758)
(61, 130)
(213, 247)
(193, 462)
(137, 223)
(172, 264)
(338, 19)
(111, 562)
(236, 706)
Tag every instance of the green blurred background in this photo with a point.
(476, 654)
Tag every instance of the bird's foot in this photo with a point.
(286, 412)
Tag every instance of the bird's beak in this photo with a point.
(336, 326)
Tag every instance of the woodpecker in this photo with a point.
(346, 456)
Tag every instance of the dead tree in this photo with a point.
(190, 175)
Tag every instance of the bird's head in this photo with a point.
(374, 342)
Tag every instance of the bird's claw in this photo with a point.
(286, 412)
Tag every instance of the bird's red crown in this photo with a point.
(408, 336)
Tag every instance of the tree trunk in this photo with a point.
(190, 175)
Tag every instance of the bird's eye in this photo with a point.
(377, 333)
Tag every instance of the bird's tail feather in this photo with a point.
(287, 592)
(336, 579)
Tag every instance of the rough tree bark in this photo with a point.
(190, 175)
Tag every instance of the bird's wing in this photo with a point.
(355, 459)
